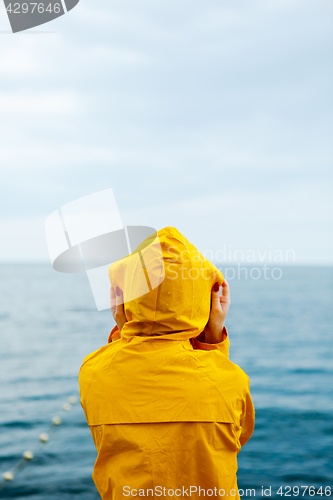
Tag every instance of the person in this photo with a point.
(168, 411)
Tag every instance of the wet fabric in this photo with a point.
(165, 409)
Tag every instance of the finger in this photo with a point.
(216, 295)
(113, 300)
(119, 298)
(120, 312)
(225, 297)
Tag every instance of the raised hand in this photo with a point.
(214, 331)
(117, 307)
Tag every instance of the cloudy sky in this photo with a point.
(211, 116)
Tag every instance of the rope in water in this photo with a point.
(44, 437)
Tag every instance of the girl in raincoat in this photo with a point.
(167, 409)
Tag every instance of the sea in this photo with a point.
(280, 330)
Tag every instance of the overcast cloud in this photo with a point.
(214, 117)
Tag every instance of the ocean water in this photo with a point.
(280, 333)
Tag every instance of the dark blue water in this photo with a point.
(280, 333)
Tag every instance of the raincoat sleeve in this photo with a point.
(114, 334)
(248, 413)
(199, 343)
(248, 416)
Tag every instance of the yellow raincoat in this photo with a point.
(168, 412)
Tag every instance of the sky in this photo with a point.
(213, 117)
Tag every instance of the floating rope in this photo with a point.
(44, 437)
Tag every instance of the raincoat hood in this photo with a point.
(166, 285)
